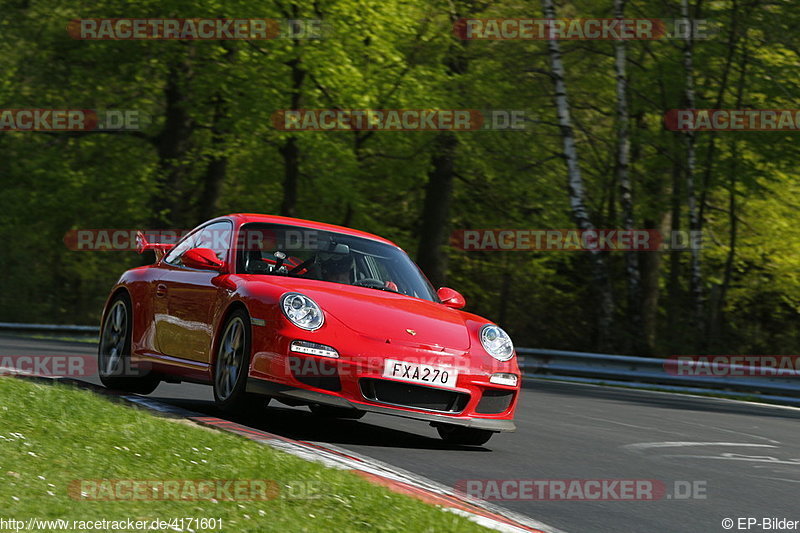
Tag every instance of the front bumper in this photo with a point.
(303, 395)
(355, 379)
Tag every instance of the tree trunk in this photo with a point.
(719, 304)
(675, 299)
(217, 166)
(290, 150)
(695, 274)
(172, 144)
(433, 230)
(575, 187)
(504, 296)
(651, 275)
(634, 311)
(431, 258)
(708, 173)
(291, 171)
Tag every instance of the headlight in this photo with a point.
(302, 311)
(496, 342)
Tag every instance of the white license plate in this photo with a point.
(418, 373)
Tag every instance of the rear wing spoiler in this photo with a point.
(159, 248)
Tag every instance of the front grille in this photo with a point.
(413, 396)
(494, 401)
(315, 373)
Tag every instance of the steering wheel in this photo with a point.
(373, 283)
(253, 263)
(370, 282)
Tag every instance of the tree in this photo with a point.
(575, 187)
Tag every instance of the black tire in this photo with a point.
(230, 393)
(328, 411)
(463, 436)
(114, 351)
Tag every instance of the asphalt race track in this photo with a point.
(745, 456)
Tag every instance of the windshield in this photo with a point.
(282, 250)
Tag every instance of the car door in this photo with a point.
(166, 331)
(186, 330)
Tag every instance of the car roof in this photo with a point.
(246, 218)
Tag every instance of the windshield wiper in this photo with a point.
(375, 284)
(380, 288)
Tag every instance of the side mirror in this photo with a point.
(451, 298)
(202, 259)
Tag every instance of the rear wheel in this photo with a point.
(114, 352)
(231, 366)
(463, 436)
(328, 411)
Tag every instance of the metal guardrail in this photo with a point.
(580, 366)
(624, 368)
(49, 328)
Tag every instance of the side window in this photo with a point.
(216, 236)
(174, 255)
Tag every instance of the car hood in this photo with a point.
(384, 315)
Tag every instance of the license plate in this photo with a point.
(419, 373)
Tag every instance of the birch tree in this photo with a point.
(695, 274)
(623, 176)
(575, 184)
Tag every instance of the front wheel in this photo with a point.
(114, 351)
(231, 366)
(463, 436)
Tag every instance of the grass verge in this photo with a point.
(52, 435)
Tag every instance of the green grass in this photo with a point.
(54, 434)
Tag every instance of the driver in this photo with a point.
(338, 268)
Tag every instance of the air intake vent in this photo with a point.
(413, 396)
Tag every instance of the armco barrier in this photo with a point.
(539, 363)
(13, 327)
(624, 368)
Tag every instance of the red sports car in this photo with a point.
(309, 314)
